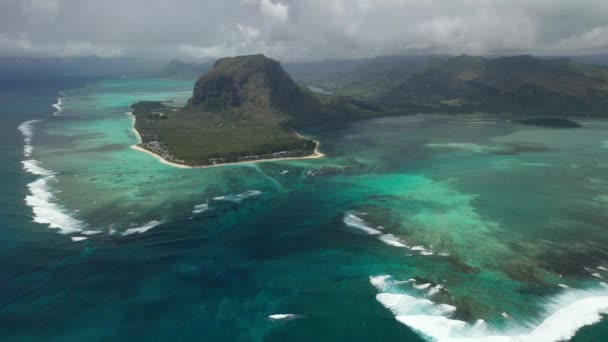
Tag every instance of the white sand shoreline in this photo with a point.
(315, 155)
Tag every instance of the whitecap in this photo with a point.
(402, 304)
(142, 229)
(355, 222)
(199, 208)
(564, 316)
(435, 289)
(564, 286)
(33, 166)
(284, 317)
(78, 238)
(40, 200)
(379, 282)
(597, 275)
(57, 106)
(392, 240)
(422, 286)
(602, 268)
(27, 129)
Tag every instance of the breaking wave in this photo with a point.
(200, 208)
(142, 229)
(353, 221)
(57, 105)
(41, 198)
(27, 129)
(563, 315)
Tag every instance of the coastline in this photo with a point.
(316, 154)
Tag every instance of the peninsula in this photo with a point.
(245, 109)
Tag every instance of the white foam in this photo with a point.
(418, 248)
(379, 282)
(435, 289)
(199, 208)
(603, 269)
(91, 232)
(57, 106)
(422, 286)
(78, 238)
(597, 275)
(563, 286)
(41, 201)
(283, 317)
(238, 197)
(27, 129)
(564, 316)
(437, 327)
(392, 240)
(284, 172)
(142, 229)
(402, 304)
(426, 253)
(355, 222)
(33, 166)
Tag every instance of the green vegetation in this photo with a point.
(521, 84)
(242, 110)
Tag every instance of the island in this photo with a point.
(245, 109)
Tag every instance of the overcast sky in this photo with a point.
(300, 29)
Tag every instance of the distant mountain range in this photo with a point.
(521, 84)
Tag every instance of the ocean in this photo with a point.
(412, 228)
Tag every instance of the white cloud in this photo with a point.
(276, 10)
(298, 29)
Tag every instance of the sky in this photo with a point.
(295, 30)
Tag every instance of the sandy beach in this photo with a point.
(315, 155)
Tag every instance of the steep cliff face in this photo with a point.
(254, 86)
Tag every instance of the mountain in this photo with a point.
(520, 84)
(179, 69)
(243, 109)
(384, 72)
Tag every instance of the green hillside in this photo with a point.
(244, 109)
(521, 84)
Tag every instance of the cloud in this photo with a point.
(270, 9)
(296, 29)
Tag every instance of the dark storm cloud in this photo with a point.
(299, 29)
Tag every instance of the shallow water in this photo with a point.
(411, 228)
